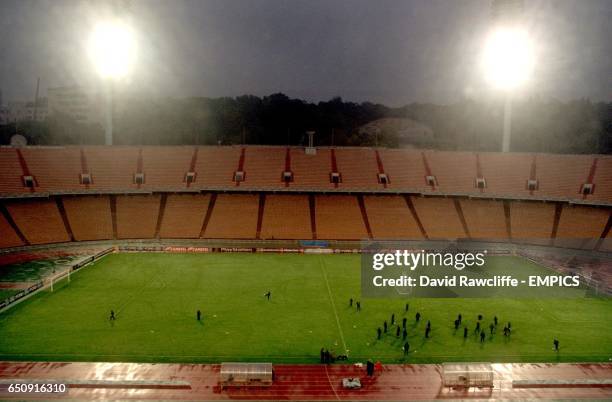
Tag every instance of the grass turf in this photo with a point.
(156, 296)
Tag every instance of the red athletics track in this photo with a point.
(303, 382)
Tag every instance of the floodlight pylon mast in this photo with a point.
(505, 11)
(507, 123)
(109, 114)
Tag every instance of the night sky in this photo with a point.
(388, 51)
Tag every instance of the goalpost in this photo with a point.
(57, 277)
(49, 282)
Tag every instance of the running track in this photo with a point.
(301, 382)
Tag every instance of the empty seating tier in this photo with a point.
(562, 175)
(112, 168)
(439, 217)
(264, 167)
(10, 172)
(286, 217)
(137, 216)
(58, 170)
(8, 237)
(485, 219)
(215, 166)
(54, 168)
(390, 218)
(311, 171)
(358, 167)
(184, 215)
(531, 221)
(339, 217)
(602, 179)
(455, 172)
(580, 227)
(89, 216)
(122, 197)
(405, 169)
(234, 216)
(506, 173)
(39, 220)
(165, 167)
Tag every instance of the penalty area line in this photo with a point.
(331, 299)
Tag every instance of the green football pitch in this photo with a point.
(156, 297)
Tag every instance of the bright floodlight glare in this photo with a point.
(112, 49)
(508, 58)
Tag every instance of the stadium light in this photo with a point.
(112, 50)
(508, 62)
(508, 58)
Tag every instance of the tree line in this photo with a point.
(579, 126)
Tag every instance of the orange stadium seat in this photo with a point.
(234, 216)
(439, 217)
(311, 171)
(184, 215)
(358, 167)
(8, 237)
(39, 220)
(405, 169)
(603, 180)
(10, 172)
(89, 216)
(286, 217)
(165, 167)
(390, 218)
(562, 175)
(506, 174)
(455, 172)
(55, 169)
(58, 169)
(339, 217)
(531, 221)
(264, 167)
(137, 216)
(215, 166)
(581, 226)
(112, 168)
(485, 219)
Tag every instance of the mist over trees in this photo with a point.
(538, 125)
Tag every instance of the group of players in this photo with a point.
(326, 357)
(457, 323)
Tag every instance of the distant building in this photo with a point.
(20, 111)
(82, 105)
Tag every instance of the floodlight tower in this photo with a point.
(112, 50)
(508, 56)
